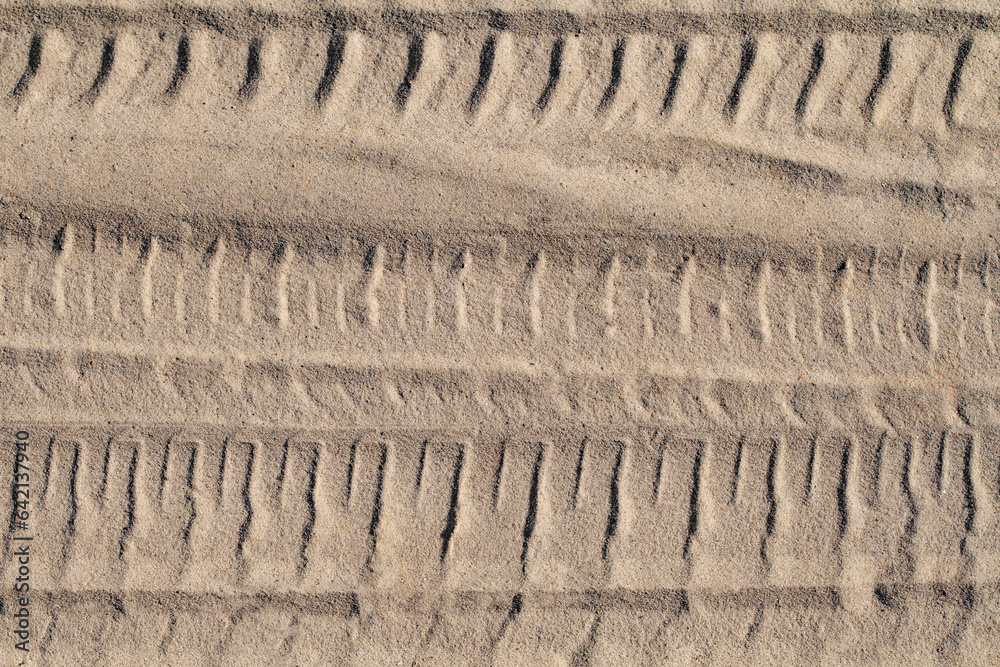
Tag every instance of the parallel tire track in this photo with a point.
(713, 511)
(914, 624)
(906, 115)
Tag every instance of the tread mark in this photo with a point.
(63, 246)
(846, 289)
(516, 604)
(420, 465)
(658, 473)
(680, 57)
(189, 504)
(532, 513)
(486, 57)
(612, 526)
(763, 285)
(617, 58)
(498, 475)
(350, 472)
(537, 269)
(334, 59)
(555, 71)
(907, 483)
(612, 275)
(74, 505)
(375, 265)
(755, 624)
(930, 293)
(373, 525)
(310, 524)
(217, 251)
(955, 83)
(247, 507)
(34, 60)
(461, 296)
(692, 527)
(884, 67)
(684, 299)
(579, 473)
(414, 58)
(747, 59)
(802, 103)
(811, 469)
(129, 504)
(181, 66)
(252, 77)
(281, 284)
(969, 462)
(772, 502)
(150, 252)
(843, 509)
(737, 465)
(452, 518)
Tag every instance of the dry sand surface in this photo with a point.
(511, 333)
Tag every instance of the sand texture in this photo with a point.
(527, 333)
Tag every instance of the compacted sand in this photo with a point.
(512, 333)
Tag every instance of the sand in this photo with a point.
(523, 333)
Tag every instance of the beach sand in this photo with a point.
(514, 333)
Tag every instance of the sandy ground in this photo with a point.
(555, 334)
